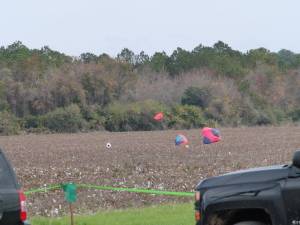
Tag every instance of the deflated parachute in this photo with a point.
(210, 135)
(181, 140)
(158, 116)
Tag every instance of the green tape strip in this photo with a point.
(44, 189)
(137, 190)
(108, 188)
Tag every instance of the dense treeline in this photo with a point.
(45, 90)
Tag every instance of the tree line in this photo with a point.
(43, 90)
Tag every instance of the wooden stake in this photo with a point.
(71, 211)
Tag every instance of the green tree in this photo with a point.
(180, 61)
(142, 59)
(88, 57)
(259, 56)
(287, 59)
(127, 56)
(158, 61)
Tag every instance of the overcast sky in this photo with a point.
(98, 26)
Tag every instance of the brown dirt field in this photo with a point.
(137, 159)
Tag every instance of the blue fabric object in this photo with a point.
(216, 132)
(178, 140)
(181, 139)
(206, 141)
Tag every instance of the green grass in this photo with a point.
(179, 214)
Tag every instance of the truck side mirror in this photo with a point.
(296, 159)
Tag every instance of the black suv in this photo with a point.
(261, 196)
(12, 199)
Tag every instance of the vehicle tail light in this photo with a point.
(197, 215)
(197, 206)
(23, 211)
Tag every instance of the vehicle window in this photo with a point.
(6, 177)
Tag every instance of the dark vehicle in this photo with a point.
(12, 199)
(261, 196)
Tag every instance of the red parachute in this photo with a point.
(210, 135)
(158, 116)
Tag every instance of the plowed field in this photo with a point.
(137, 159)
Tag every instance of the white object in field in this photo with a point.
(108, 145)
(187, 146)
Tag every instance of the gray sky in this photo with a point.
(98, 26)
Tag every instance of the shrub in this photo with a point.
(263, 119)
(250, 115)
(139, 116)
(9, 124)
(186, 116)
(94, 116)
(295, 114)
(268, 116)
(196, 96)
(68, 119)
(32, 122)
(134, 116)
